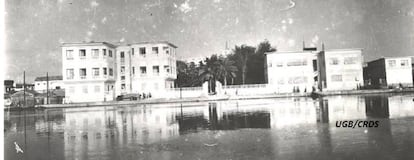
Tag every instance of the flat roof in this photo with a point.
(312, 51)
(115, 44)
(88, 44)
(153, 42)
(383, 58)
(51, 78)
(289, 52)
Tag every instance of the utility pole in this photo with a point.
(47, 87)
(24, 88)
(181, 94)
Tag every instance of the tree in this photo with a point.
(225, 68)
(256, 64)
(208, 72)
(241, 56)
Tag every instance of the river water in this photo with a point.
(284, 128)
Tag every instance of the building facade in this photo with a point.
(389, 72)
(311, 70)
(89, 71)
(292, 71)
(100, 71)
(55, 82)
(147, 67)
(340, 69)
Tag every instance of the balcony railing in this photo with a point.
(96, 77)
(143, 75)
(82, 77)
(82, 57)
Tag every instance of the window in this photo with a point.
(336, 78)
(97, 89)
(156, 86)
(143, 70)
(350, 60)
(166, 49)
(333, 61)
(82, 73)
(281, 81)
(122, 77)
(156, 70)
(69, 74)
(85, 89)
(298, 62)
(142, 51)
(155, 50)
(71, 89)
(392, 63)
(123, 86)
(279, 64)
(133, 70)
(122, 55)
(95, 72)
(404, 63)
(104, 52)
(69, 54)
(95, 53)
(122, 69)
(111, 72)
(110, 53)
(133, 51)
(82, 53)
(167, 69)
(297, 80)
(105, 71)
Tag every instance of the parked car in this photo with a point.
(131, 96)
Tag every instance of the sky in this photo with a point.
(35, 29)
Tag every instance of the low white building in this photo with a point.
(55, 82)
(340, 69)
(310, 70)
(389, 71)
(289, 71)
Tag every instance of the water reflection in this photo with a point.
(290, 125)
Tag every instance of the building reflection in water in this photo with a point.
(81, 133)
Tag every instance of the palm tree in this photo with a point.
(208, 72)
(243, 53)
(225, 68)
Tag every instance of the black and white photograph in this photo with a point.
(207, 79)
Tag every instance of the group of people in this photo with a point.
(297, 90)
(144, 96)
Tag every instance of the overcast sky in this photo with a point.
(35, 28)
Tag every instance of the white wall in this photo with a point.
(281, 76)
(41, 86)
(351, 74)
(398, 73)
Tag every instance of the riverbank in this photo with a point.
(227, 97)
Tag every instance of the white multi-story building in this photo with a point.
(310, 69)
(100, 71)
(289, 71)
(89, 71)
(146, 67)
(340, 69)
